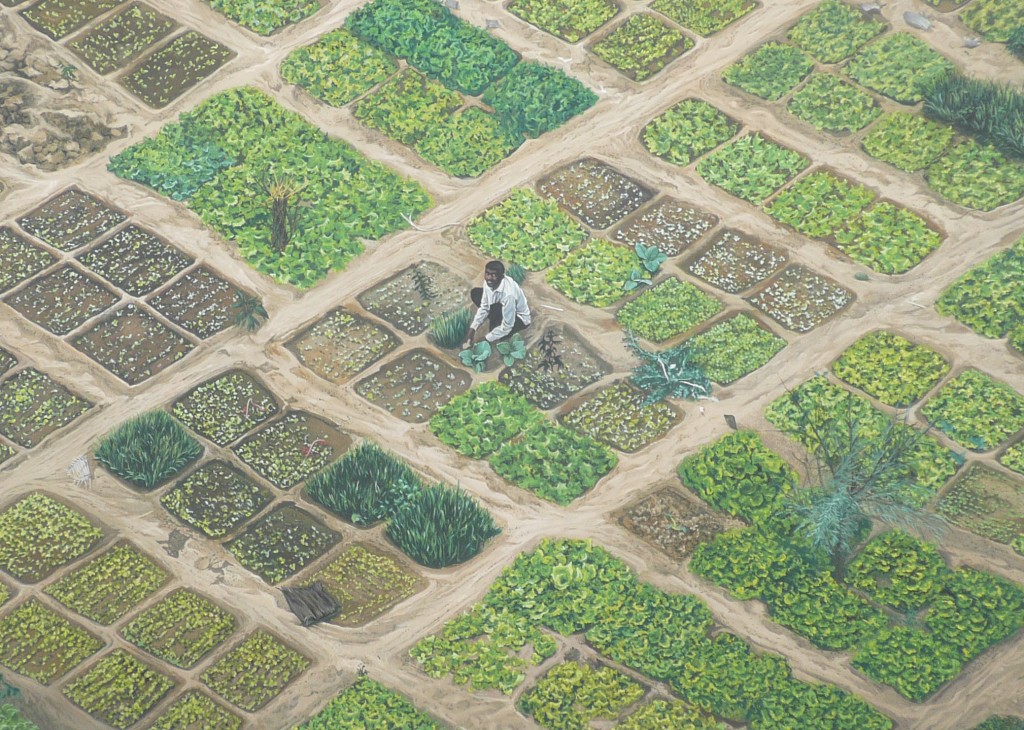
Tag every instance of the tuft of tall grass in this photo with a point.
(365, 486)
(148, 449)
(986, 110)
(441, 526)
(449, 329)
(1016, 42)
(516, 272)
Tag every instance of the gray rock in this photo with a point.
(871, 7)
(916, 20)
(972, 42)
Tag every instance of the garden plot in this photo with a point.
(414, 386)
(41, 644)
(169, 72)
(995, 19)
(292, 448)
(62, 300)
(110, 585)
(255, 671)
(212, 154)
(899, 66)
(195, 710)
(734, 262)
(338, 68)
(770, 72)
(215, 499)
(907, 141)
(820, 204)
(181, 628)
(266, 16)
(704, 16)
(976, 175)
(39, 535)
(147, 450)
(594, 274)
(834, 31)
(668, 224)
(367, 583)
(71, 219)
(115, 42)
(986, 502)
(570, 20)
(751, 167)
(368, 704)
(200, 302)
(119, 689)
(579, 587)
(412, 298)
(616, 415)
(595, 192)
(976, 411)
(641, 46)
(828, 103)
(573, 694)
(557, 366)
(891, 368)
(888, 239)
(800, 299)
(20, 259)
(136, 261)
(227, 407)
(684, 132)
(526, 229)
(989, 298)
(341, 345)
(481, 420)
(666, 310)
(32, 406)
(58, 18)
(282, 543)
(734, 347)
(132, 344)
(671, 523)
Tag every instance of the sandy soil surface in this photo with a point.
(994, 683)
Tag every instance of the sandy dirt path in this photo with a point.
(609, 131)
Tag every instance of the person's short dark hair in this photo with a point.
(495, 266)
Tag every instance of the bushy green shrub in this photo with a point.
(148, 449)
(366, 485)
(440, 526)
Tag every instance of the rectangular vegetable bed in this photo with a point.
(413, 297)
(292, 448)
(71, 219)
(169, 72)
(62, 300)
(33, 405)
(595, 192)
(557, 366)
(136, 260)
(414, 386)
(341, 344)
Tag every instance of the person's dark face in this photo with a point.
(492, 278)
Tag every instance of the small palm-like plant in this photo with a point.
(476, 356)
(512, 350)
(249, 311)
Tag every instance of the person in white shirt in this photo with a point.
(501, 303)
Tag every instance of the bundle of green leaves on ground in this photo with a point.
(148, 449)
(366, 485)
(771, 71)
(686, 131)
(989, 111)
(266, 16)
(554, 462)
(525, 228)
(216, 155)
(891, 368)
(833, 31)
(440, 526)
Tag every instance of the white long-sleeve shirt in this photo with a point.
(509, 296)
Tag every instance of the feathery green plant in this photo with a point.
(673, 372)
(148, 449)
(449, 329)
(441, 526)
